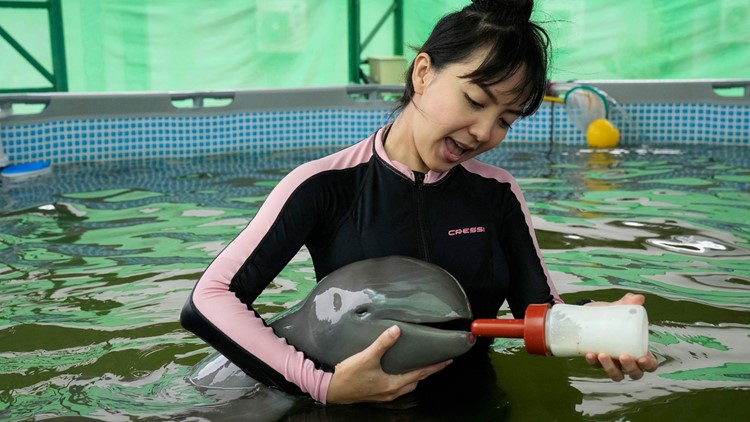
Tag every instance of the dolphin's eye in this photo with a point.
(362, 311)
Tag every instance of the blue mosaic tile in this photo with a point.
(135, 137)
(99, 139)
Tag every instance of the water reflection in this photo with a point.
(695, 357)
(96, 262)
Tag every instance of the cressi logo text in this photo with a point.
(467, 230)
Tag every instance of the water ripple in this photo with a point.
(96, 263)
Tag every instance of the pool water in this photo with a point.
(96, 260)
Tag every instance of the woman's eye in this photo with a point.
(474, 104)
(504, 124)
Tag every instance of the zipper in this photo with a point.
(424, 244)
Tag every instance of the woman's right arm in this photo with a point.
(216, 313)
(219, 308)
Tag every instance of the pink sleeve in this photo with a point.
(216, 303)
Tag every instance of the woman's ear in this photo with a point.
(422, 73)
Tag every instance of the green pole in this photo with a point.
(377, 27)
(398, 28)
(59, 75)
(26, 55)
(23, 4)
(354, 31)
(57, 42)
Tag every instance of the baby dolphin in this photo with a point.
(350, 307)
(353, 305)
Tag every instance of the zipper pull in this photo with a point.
(419, 178)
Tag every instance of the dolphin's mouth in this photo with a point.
(423, 343)
(462, 324)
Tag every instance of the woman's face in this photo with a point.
(454, 119)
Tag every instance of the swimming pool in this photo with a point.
(97, 258)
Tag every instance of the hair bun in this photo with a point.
(511, 10)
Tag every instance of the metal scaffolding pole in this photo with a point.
(356, 46)
(58, 77)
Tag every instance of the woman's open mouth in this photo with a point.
(453, 149)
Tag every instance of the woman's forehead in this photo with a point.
(512, 84)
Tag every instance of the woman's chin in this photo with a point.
(447, 162)
(443, 166)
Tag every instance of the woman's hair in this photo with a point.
(513, 42)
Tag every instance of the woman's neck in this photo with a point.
(399, 144)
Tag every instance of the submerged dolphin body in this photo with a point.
(352, 306)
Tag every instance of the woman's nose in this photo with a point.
(482, 130)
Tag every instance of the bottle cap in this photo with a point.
(533, 333)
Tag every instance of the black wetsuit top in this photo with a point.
(357, 204)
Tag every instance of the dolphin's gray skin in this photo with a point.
(352, 306)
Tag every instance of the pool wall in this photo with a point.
(67, 127)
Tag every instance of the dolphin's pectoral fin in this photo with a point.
(217, 372)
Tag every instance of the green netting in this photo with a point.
(135, 45)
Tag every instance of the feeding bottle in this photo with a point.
(571, 330)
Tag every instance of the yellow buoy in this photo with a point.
(602, 134)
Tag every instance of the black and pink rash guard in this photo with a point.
(357, 204)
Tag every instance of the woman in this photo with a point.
(413, 188)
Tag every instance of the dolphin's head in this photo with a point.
(353, 305)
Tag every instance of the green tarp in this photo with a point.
(139, 45)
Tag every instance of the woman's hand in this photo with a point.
(360, 378)
(616, 369)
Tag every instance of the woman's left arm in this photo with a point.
(530, 279)
(528, 265)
